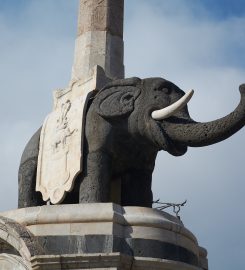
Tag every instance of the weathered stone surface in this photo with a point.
(98, 48)
(102, 236)
(17, 245)
(110, 228)
(60, 154)
(108, 243)
(203, 258)
(17, 237)
(109, 261)
(12, 262)
(101, 15)
(100, 38)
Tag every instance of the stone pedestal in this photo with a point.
(97, 236)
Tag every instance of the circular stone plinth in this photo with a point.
(109, 228)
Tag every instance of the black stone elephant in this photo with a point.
(127, 123)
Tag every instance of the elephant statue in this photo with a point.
(127, 123)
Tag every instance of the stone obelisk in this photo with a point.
(100, 38)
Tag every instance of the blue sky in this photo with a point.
(197, 44)
(222, 9)
(217, 10)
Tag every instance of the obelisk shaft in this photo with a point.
(100, 38)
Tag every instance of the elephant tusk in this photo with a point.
(173, 108)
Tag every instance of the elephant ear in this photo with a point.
(116, 100)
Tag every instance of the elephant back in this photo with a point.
(32, 148)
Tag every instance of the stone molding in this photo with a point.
(12, 262)
(110, 261)
(70, 231)
(18, 242)
(99, 212)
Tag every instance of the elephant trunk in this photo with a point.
(196, 134)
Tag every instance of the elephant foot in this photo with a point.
(92, 192)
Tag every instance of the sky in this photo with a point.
(197, 44)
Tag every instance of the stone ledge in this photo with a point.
(99, 212)
(98, 261)
(13, 262)
(104, 228)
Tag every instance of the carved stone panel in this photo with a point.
(61, 140)
(60, 152)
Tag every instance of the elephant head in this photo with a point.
(156, 112)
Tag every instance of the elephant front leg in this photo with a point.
(27, 182)
(136, 188)
(95, 185)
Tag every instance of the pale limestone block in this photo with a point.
(24, 252)
(98, 48)
(100, 38)
(108, 228)
(99, 228)
(12, 262)
(94, 212)
(86, 228)
(24, 216)
(101, 15)
(14, 242)
(141, 263)
(110, 219)
(140, 216)
(50, 229)
(3, 235)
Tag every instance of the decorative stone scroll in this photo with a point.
(61, 140)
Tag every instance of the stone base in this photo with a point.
(98, 236)
(110, 261)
